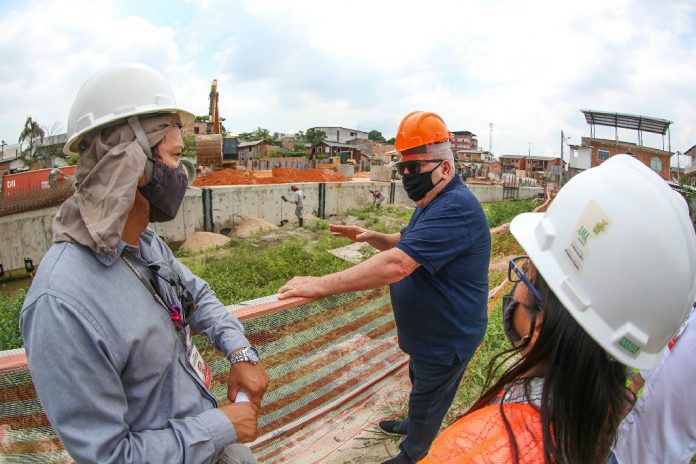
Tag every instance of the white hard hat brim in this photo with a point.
(72, 145)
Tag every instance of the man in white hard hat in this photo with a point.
(107, 321)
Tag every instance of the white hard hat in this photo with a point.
(617, 248)
(116, 93)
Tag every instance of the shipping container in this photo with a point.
(37, 179)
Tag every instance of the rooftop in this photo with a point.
(627, 121)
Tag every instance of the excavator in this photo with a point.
(209, 145)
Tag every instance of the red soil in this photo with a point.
(278, 176)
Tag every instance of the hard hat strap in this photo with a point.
(140, 136)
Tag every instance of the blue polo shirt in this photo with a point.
(441, 308)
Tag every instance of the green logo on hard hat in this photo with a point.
(600, 227)
(628, 345)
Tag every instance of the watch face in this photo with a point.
(253, 354)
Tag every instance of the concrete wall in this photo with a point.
(29, 235)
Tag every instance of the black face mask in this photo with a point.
(165, 191)
(509, 305)
(418, 185)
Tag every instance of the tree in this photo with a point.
(50, 148)
(315, 136)
(190, 150)
(391, 141)
(375, 135)
(32, 130)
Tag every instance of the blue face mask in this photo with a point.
(165, 191)
(418, 185)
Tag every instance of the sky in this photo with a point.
(526, 67)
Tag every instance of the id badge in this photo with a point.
(198, 364)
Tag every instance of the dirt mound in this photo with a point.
(250, 225)
(200, 241)
(278, 176)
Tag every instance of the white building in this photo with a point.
(341, 134)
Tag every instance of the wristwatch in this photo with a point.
(248, 354)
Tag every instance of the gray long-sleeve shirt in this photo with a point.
(109, 366)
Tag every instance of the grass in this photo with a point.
(248, 269)
(10, 336)
(501, 212)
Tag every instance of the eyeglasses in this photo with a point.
(414, 166)
(179, 313)
(509, 306)
(516, 273)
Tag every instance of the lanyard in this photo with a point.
(173, 315)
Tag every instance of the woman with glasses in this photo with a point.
(607, 281)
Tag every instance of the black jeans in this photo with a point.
(434, 387)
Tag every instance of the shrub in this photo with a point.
(10, 306)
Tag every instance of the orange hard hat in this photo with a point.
(421, 128)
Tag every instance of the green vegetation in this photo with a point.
(502, 212)
(10, 337)
(248, 269)
(190, 150)
(251, 268)
(475, 377)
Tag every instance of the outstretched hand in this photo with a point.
(302, 286)
(355, 233)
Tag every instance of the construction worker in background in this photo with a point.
(377, 197)
(604, 286)
(129, 384)
(298, 197)
(661, 427)
(437, 269)
(55, 175)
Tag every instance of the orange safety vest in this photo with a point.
(481, 437)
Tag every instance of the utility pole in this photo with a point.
(490, 138)
(678, 167)
(560, 175)
(2, 146)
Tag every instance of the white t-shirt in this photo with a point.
(298, 198)
(662, 425)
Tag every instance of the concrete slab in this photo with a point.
(353, 253)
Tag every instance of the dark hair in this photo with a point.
(584, 396)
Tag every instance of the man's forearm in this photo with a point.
(381, 269)
(383, 241)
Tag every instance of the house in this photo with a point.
(463, 140)
(536, 167)
(371, 148)
(511, 163)
(478, 163)
(325, 150)
(196, 127)
(602, 149)
(341, 134)
(254, 149)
